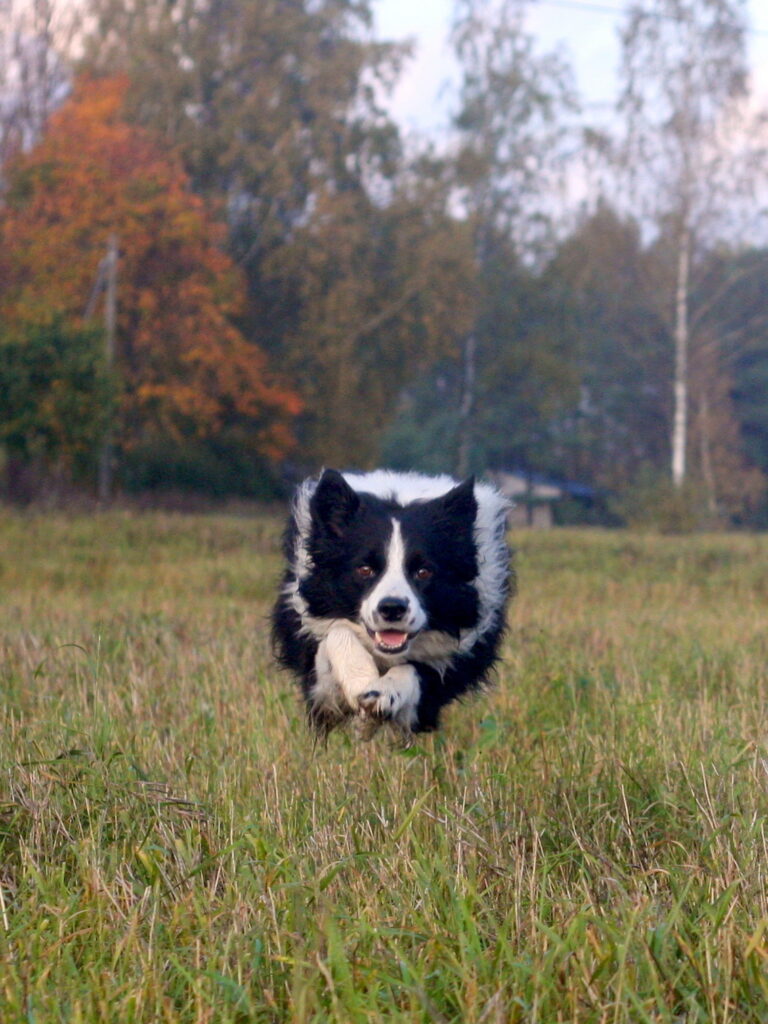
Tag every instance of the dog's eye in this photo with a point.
(365, 571)
(423, 573)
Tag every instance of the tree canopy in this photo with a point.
(184, 367)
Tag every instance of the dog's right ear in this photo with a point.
(334, 502)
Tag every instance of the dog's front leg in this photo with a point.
(349, 682)
(344, 672)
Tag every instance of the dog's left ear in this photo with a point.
(460, 501)
(334, 502)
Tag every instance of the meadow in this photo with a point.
(585, 842)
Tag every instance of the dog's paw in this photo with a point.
(394, 698)
(377, 704)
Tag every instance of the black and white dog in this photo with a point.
(393, 602)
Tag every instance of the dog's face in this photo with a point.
(396, 571)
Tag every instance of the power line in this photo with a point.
(596, 8)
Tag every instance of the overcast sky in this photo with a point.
(585, 30)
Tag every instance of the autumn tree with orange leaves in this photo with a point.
(184, 369)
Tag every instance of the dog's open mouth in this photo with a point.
(391, 641)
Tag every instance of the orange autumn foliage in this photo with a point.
(183, 366)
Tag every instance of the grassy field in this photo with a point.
(585, 843)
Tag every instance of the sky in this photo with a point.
(584, 30)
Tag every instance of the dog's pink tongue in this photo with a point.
(391, 637)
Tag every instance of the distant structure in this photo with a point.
(534, 497)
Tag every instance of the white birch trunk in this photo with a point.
(680, 412)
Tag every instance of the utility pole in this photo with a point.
(467, 406)
(108, 281)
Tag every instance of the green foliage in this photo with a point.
(528, 373)
(526, 380)
(583, 843)
(377, 295)
(217, 467)
(604, 283)
(267, 102)
(58, 394)
(738, 283)
(424, 435)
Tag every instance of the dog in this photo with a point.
(393, 602)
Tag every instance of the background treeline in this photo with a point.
(222, 266)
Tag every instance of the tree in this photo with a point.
(57, 397)
(33, 73)
(513, 104)
(185, 369)
(267, 102)
(510, 127)
(605, 283)
(526, 382)
(380, 294)
(684, 77)
(730, 357)
(732, 487)
(356, 275)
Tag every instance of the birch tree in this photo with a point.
(684, 87)
(34, 35)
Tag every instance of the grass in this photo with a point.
(585, 843)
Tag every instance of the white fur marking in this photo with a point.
(394, 583)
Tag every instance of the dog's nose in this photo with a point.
(392, 608)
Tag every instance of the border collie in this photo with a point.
(393, 601)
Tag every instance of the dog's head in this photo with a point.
(396, 570)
